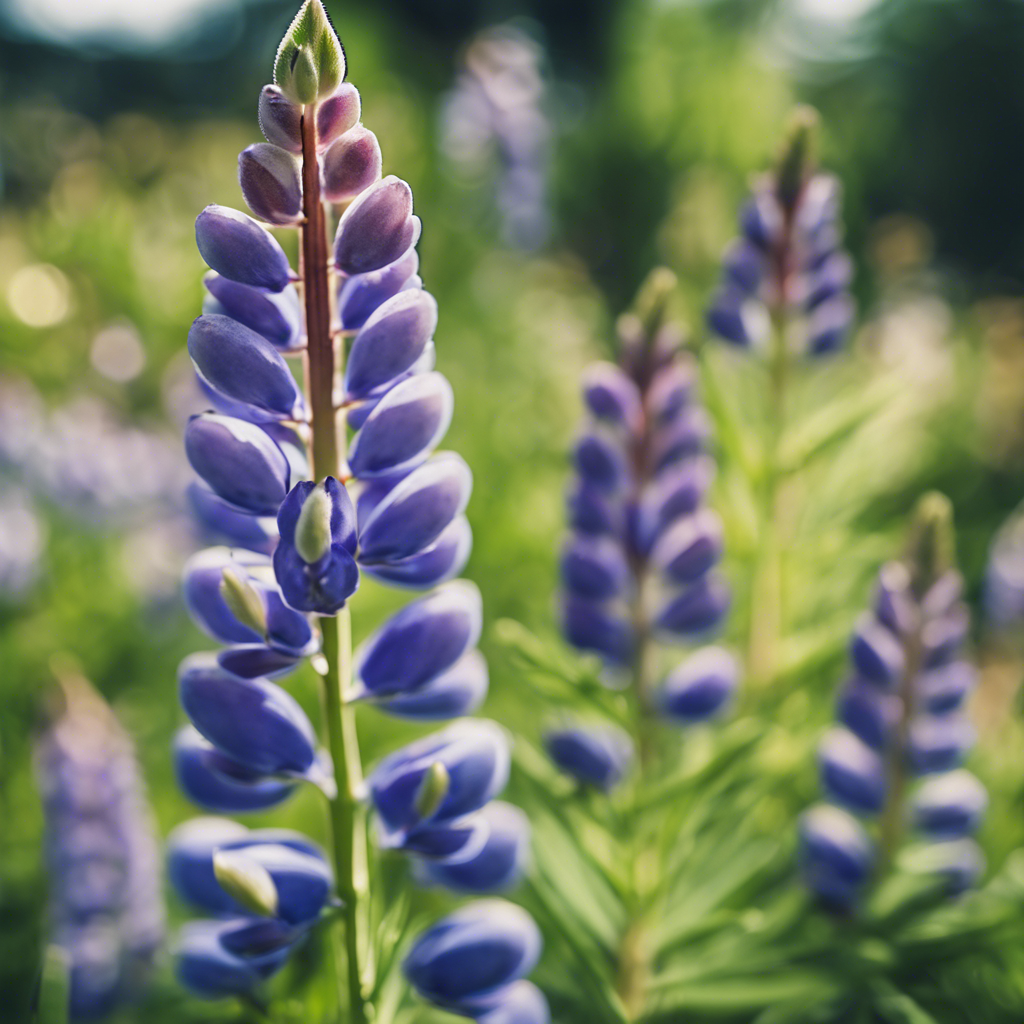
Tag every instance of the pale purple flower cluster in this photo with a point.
(106, 903)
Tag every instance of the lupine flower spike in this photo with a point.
(891, 770)
(307, 521)
(106, 903)
(639, 568)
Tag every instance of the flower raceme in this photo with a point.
(896, 755)
(304, 526)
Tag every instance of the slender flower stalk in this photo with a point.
(385, 504)
(904, 733)
(784, 292)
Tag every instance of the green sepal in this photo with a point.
(432, 790)
(246, 880)
(310, 62)
(244, 601)
(313, 527)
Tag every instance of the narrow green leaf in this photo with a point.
(54, 987)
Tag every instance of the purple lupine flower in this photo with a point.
(475, 952)
(905, 733)
(106, 905)
(595, 756)
(788, 261)
(640, 563)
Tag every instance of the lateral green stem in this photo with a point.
(347, 812)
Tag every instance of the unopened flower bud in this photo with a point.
(280, 119)
(950, 806)
(275, 315)
(351, 165)
(377, 228)
(696, 609)
(611, 395)
(875, 652)
(337, 114)
(596, 756)
(310, 62)
(457, 691)
(595, 568)
(440, 561)
(360, 295)
(700, 687)
(851, 772)
(592, 626)
(241, 249)
(271, 183)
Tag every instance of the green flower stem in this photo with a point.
(347, 813)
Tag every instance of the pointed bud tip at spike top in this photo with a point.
(246, 881)
(653, 299)
(797, 157)
(930, 546)
(310, 62)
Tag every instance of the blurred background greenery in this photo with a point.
(120, 120)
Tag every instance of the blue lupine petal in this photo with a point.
(520, 1003)
(253, 721)
(695, 610)
(852, 773)
(596, 756)
(595, 568)
(216, 783)
(682, 438)
(421, 641)
(593, 512)
(481, 947)
(270, 179)
(946, 687)
(414, 513)
(938, 743)
(277, 316)
(322, 587)
(869, 713)
(944, 596)
(600, 461)
(671, 390)
(942, 637)
(476, 755)
(243, 365)
(745, 265)
(303, 881)
(360, 295)
(241, 249)
(239, 461)
(202, 578)
(611, 395)
(404, 427)
(829, 324)
(497, 864)
(591, 626)
(190, 849)
(458, 691)
(240, 529)
(676, 492)
(437, 563)
(875, 652)
(359, 410)
(377, 228)
(252, 660)
(950, 806)
(894, 605)
(833, 836)
(450, 840)
(739, 319)
(761, 218)
(391, 340)
(206, 968)
(689, 547)
(701, 686)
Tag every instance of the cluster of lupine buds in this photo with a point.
(497, 105)
(903, 733)
(106, 904)
(788, 262)
(301, 546)
(640, 563)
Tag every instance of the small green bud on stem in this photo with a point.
(433, 789)
(246, 881)
(313, 528)
(653, 299)
(310, 63)
(244, 601)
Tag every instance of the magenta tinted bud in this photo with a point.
(683, 437)
(950, 806)
(943, 637)
(207, 969)
(818, 207)
(477, 950)
(252, 721)
(869, 713)
(611, 395)
(601, 462)
(239, 462)
(592, 626)
(670, 392)
(595, 756)
(457, 691)
(275, 315)
(592, 512)
(421, 641)
(829, 324)
(938, 743)
(226, 523)
(351, 165)
(595, 567)
(701, 687)
(280, 119)
(404, 427)
(241, 249)
(319, 580)
(414, 513)
(945, 688)
(875, 652)
(437, 563)
(359, 296)
(851, 772)
(695, 610)
(377, 228)
(337, 114)
(215, 782)
(830, 836)
(244, 366)
(689, 547)
(475, 756)
(520, 1003)
(271, 185)
(393, 338)
(498, 864)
